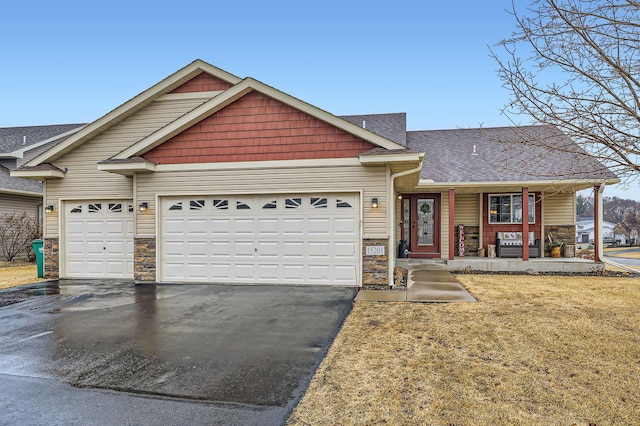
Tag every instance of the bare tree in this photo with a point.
(575, 64)
(17, 231)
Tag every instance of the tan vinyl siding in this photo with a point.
(559, 209)
(16, 204)
(466, 209)
(370, 180)
(82, 179)
(444, 226)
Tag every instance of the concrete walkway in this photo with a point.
(424, 285)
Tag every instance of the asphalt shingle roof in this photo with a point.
(390, 126)
(17, 184)
(503, 154)
(14, 138)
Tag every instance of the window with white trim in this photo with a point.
(507, 208)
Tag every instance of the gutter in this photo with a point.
(392, 202)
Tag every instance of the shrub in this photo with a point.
(17, 231)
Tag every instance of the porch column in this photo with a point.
(597, 223)
(452, 227)
(525, 223)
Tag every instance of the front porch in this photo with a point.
(545, 264)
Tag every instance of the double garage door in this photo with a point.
(271, 239)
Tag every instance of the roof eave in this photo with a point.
(127, 169)
(22, 193)
(572, 184)
(37, 174)
(387, 158)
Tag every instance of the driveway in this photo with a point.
(254, 347)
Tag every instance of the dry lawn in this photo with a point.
(12, 276)
(633, 255)
(534, 350)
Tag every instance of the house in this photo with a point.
(17, 146)
(208, 177)
(585, 232)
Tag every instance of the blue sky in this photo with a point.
(70, 61)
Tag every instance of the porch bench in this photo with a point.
(509, 244)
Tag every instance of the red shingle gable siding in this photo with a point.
(258, 128)
(203, 82)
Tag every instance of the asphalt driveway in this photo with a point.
(247, 348)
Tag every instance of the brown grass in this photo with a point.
(633, 255)
(534, 350)
(12, 276)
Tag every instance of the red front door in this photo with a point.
(421, 217)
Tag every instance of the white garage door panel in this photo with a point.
(98, 241)
(303, 239)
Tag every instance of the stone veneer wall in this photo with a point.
(51, 258)
(375, 269)
(564, 233)
(144, 261)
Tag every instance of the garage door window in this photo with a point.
(196, 205)
(319, 203)
(221, 204)
(341, 204)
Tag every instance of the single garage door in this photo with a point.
(98, 239)
(270, 239)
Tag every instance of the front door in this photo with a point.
(422, 213)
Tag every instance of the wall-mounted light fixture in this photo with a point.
(399, 196)
(143, 207)
(49, 209)
(374, 203)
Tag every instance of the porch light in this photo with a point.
(49, 209)
(143, 207)
(374, 203)
(399, 196)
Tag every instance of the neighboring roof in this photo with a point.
(10, 184)
(504, 154)
(391, 126)
(18, 138)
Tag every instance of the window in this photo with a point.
(341, 204)
(507, 208)
(292, 203)
(221, 204)
(318, 203)
(196, 205)
(270, 205)
(95, 208)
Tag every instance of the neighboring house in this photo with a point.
(207, 177)
(585, 233)
(17, 146)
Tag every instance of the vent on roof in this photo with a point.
(475, 152)
(364, 124)
(24, 140)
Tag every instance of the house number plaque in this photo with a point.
(375, 250)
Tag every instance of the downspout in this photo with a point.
(392, 204)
